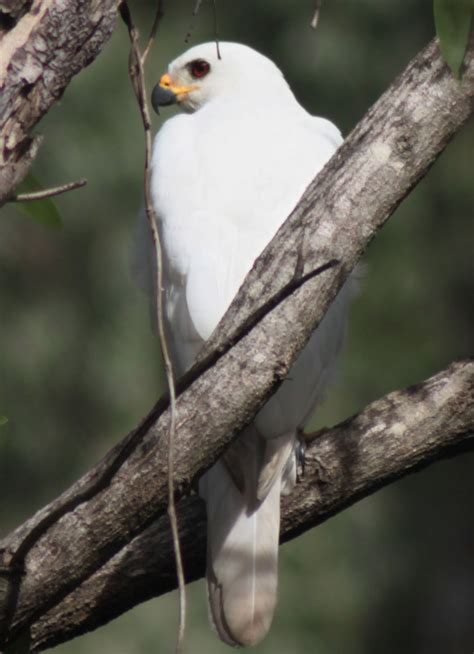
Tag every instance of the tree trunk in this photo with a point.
(45, 45)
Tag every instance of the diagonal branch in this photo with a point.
(384, 157)
(392, 437)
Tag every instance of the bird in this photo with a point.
(226, 172)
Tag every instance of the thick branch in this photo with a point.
(388, 152)
(39, 55)
(404, 431)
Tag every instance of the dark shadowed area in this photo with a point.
(79, 365)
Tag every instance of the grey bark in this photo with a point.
(390, 438)
(46, 43)
(393, 146)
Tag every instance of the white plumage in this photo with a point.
(225, 176)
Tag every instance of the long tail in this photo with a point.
(242, 558)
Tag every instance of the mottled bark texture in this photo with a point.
(43, 43)
(390, 438)
(68, 541)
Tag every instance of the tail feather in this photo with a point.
(242, 561)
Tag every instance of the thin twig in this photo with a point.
(137, 76)
(315, 18)
(216, 28)
(154, 29)
(48, 192)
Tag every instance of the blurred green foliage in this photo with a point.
(79, 365)
(43, 211)
(453, 24)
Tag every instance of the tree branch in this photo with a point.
(383, 158)
(392, 437)
(33, 196)
(43, 50)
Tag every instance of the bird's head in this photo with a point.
(206, 72)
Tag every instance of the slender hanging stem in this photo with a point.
(137, 76)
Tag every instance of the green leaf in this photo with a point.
(3, 420)
(21, 645)
(44, 211)
(453, 22)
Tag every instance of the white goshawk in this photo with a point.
(226, 173)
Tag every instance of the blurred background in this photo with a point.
(79, 366)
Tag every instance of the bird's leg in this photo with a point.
(302, 440)
(300, 454)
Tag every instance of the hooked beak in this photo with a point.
(166, 93)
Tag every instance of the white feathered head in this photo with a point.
(207, 72)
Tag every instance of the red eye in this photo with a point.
(199, 68)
